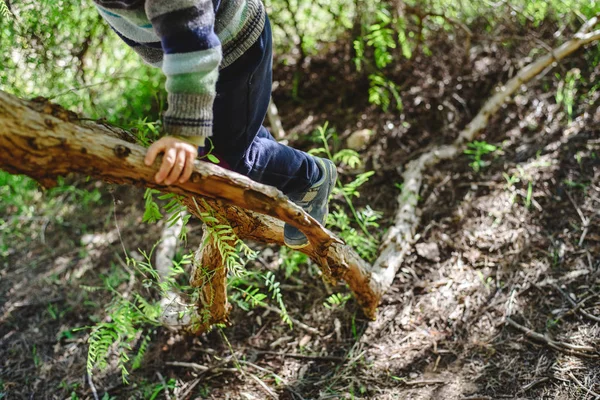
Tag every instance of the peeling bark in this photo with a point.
(210, 275)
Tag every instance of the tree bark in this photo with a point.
(210, 275)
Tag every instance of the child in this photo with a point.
(217, 57)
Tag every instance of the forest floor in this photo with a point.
(516, 241)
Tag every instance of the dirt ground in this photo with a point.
(503, 255)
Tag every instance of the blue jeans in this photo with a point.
(240, 107)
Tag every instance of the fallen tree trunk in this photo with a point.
(399, 240)
(44, 141)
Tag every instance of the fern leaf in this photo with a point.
(4, 10)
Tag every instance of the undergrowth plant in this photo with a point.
(476, 151)
(566, 94)
(375, 50)
(336, 300)
(125, 332)
(356, 228)
(4, 11)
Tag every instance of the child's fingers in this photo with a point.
(177, 167)
(167, 164)
(189, 168)
(153, 150)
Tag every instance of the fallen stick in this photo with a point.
(581, 385)
(559, 346)
(274, 121)
(300, 356)
(202, 368)
(577, 307)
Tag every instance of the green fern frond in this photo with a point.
(102, 337)
(336, 300)
(250, 298)
(124, 348)
(227, 242)
(348, 157)
(150, 311)
(276, 295)
(137, 360)
(151, 209)
(4, 10)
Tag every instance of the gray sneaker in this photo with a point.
(314, 201)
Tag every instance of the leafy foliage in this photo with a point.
(476, 150)
(4, 11)
(566, 94)
(129, 316)
(361, 239)
(120, 333)
(231, 248)
(273, 287)
(336, 300)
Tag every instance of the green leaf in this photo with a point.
(212, 158)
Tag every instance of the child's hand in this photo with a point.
(178, 159)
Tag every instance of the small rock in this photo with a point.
(267, 253)
(358, 140)
(338, 329)
(430, 251)
(472, 255)
(304, 341)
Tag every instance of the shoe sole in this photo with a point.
(296, 246)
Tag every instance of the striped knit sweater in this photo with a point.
(190, 40)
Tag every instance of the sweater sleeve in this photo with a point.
(192, 54)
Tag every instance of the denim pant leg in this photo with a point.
(243, 94)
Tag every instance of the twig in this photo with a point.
(189, 389)
(164, 383)
(202, 368)
(295, 321)
(559, 346)
(585, 221)
(588, 390)
(426, 382)
(92, 387)
(264, 386)
(300, 356)
(577, 306)
(532, 384)
(283, 380)
(258, 367)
